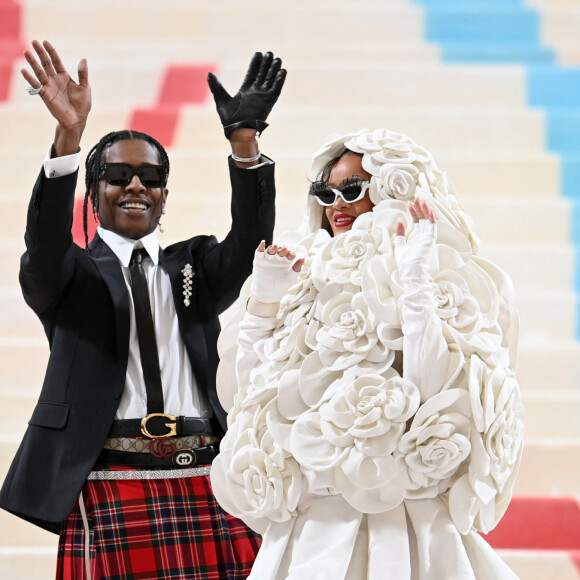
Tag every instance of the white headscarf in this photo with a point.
(400, 170)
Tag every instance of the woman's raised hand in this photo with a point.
(412, 256)
(69, 102)
(275, 270)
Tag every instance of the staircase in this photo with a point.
(490, 87)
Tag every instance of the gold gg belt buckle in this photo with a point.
(172, 426)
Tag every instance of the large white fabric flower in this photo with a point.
(253, 477)
(468, 301)
(354, 433)
(342, 260)
(399, 180)
(481, 496)
(436, 444)
(350, 336)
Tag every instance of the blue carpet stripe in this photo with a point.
(508, 31)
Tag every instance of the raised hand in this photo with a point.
(68, 102)
(274, 272)
(412, 256)
(252, 104)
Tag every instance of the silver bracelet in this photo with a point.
(246, 159)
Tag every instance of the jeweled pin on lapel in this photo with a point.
(187, 283)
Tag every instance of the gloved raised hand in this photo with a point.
(274, 271)
(426, 356)
(412, 256)
(251, 105)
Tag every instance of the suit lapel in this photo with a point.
(110, 270)
(190, 326)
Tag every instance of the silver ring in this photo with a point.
(32, 91)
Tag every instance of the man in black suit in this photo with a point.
(117, 454)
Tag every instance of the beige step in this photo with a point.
(468, 129)
(28, 563)
(560, 24)
(517, 221)
(21, 119)
(534, 268)
(229, 20)
(17, 408)
(549, 467)
(23, 363)
(540, 565)
(547, 365)
(214, 51)
(549, 314)
(535, 176)
(18, 533)
(552, 414)
(394, 84)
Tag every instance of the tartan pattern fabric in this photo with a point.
(155, 529)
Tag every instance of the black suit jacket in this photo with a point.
(82, 301)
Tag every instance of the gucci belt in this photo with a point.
(167, 457)
(160, 446)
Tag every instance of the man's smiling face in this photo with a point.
(132, 210)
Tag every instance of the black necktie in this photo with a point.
(146, 333)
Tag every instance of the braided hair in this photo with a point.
(93, 167)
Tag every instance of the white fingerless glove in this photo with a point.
(425, 351)
(272, 276)
(412, 256)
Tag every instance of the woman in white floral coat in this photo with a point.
(375, 421)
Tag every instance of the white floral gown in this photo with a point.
(367, 441)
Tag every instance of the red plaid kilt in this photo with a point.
(155, 528)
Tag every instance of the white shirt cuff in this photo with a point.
(61, 166)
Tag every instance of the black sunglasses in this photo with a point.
(350, 192)
(122, 173)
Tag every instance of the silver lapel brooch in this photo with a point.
(187, 283)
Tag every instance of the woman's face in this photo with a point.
(341, 214)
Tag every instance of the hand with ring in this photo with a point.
(69, 102)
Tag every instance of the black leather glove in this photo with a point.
(250, 106)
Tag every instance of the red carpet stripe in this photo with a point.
(182, 84)
(11, 46)
(539, 523)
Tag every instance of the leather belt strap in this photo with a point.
(190, 458)
(157, 427)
